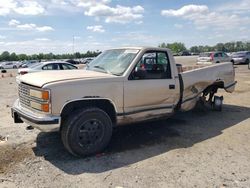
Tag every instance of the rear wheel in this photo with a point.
(247, 61)
(86, 131)
(217, 103)
(217, 62)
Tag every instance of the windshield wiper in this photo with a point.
(106, 71)
(102, 68)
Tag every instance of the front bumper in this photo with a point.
(42, 122)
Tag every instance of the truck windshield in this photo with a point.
(113, 61)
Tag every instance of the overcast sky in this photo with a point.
(33, 26)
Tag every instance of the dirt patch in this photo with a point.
(12, 155)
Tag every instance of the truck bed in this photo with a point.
(197, 78)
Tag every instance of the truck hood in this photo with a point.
(41, 78)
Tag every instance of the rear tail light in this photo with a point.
(211, 57)
(23, 72)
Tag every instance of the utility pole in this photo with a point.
(73, 46)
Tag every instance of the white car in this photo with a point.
(242, 57)
(46, 66)
(213, 57)
(8, 65)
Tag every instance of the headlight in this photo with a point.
(39, 94)
(40, 100)
(39, 106)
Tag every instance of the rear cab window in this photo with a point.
(155, 64)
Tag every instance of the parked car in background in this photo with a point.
(184, 53)
(241, 57)
(8, 65)
(27, 64)
(46, 66)
(213, 57)
(87, 60)
(195, 53)
(72, 61)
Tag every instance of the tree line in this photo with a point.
(6, 56)
(177, 47)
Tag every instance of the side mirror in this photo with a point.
(139, 73)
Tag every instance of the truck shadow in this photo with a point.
(134, 143)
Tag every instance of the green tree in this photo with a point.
(162, 45)
(77, 55)
(176, 47)
(195, 49)
(220, 47)
(22, 57)
(5, 56)
(13, 57)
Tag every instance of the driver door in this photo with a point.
(153, 91)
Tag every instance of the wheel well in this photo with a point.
(213, 87)
(103, 104)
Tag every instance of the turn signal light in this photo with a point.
(45, 107)
(45, 95)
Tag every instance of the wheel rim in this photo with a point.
(90, 133)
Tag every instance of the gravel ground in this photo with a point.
(200, 148)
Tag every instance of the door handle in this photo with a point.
(171, 86)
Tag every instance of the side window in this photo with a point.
(67, 67)
(153, 65)
(216, 55)
(51, 67)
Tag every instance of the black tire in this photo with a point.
(247, 61)
(217, 62)
(14, 67)
(218, 107)
(86, 131)
(232, 61)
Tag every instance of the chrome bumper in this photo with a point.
(42, 122)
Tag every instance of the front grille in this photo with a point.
(24, 95)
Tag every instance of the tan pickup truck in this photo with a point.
(120, 86)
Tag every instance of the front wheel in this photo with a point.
(86, 131)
